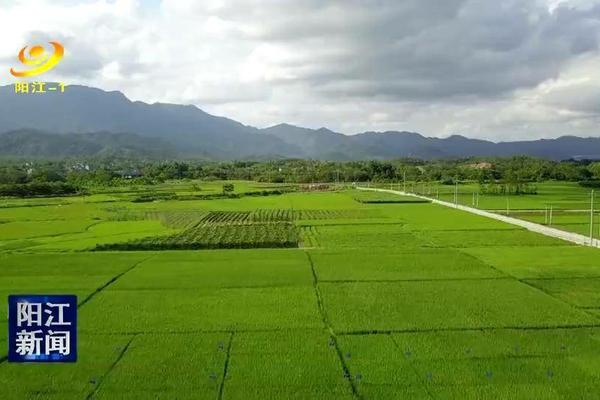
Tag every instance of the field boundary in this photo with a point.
(111, 281)
(225, 366)
(531, 226)
(412, 367)
(94, 391)
(465, 329)
(98, 290)
(332, 333)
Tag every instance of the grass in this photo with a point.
(381, 300)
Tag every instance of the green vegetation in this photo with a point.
(217, 236)
(507, 175)
(369, 197)
(38, 189)
(375, 298)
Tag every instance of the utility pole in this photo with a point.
(404, 190)
(456, 193)
(592, 219)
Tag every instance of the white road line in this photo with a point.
(544, 230)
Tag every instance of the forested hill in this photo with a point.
(31, 125)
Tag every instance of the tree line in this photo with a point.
(512, 174)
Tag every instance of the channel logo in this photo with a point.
(38, 59)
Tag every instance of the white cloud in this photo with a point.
(501, 70)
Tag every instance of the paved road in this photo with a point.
(532, 226)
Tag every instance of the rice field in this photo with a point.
(368, 197)
(217, 236)
(302, 295)
(561, 205)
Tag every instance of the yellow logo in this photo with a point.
(38, 58)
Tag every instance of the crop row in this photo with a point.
(309, 236)
(278, 215)
(172, 219)
(258, 235)
(177, 219)
(249, 217)
(273, 215)
(191, 218)
(332, 214)
(125, 214)
(226, 217)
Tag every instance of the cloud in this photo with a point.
(496, 69)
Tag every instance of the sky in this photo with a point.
(490, 69)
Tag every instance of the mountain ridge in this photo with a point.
(188, 131)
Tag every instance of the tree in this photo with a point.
(594, 168)
(228, 188)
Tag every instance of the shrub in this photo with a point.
(39, 189)
(228, 188)
(590, 184)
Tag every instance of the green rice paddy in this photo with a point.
(373, 299)
(561, 205)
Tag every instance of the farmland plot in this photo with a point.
(383, 301)
(217, 236)
(301, 365)
(365, 306)
(214, 269)
(65, 381)
(360, 265)
(183, 373)
(202, 309)
(369, 197)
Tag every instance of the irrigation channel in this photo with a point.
(532, 226)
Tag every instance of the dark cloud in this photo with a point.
(500, 69)
(425, 49)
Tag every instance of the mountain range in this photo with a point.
(85, 121)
